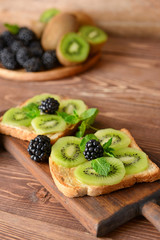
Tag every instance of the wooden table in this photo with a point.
(125, 86)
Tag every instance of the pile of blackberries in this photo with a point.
(24, 50)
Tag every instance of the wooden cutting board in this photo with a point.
(54, 74)
(102, 214)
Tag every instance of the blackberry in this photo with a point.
(49, 60)
(16, 45)
(8, 38)
(35, 44)
(26, 35)
(2, 44)
(40, 148)
(36, 49)
(8, 59)
(23, 55)
(93, 150)
(33, 65)
(49, 106)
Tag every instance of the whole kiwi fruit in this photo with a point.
(56, 28)
(37, 27)
(83, 18)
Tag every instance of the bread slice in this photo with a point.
(71, 187)
(27, 133)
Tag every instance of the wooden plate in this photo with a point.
(55, 74)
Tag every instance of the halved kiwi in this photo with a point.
(56, 28)
(134, 160)
(119, 139)
(39, 98)
(95, 36)
(70, 105)
(72, 49)
(16, 117)
(48, 124)
(66, 152)
(87, 175)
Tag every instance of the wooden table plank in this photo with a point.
(22, 197)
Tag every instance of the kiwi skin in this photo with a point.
(56, 28)
(83, 18)
(37, 27)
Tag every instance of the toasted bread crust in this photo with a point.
(27, 134)
(70, 187)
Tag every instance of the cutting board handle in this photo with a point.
(151, 211)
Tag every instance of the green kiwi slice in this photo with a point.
(119, 139)
(87, 175)
(93, 35)
(48, 124)
(134, 160)
(48, 14)
(70, 105)
(39, 98)
(66, 152)
(72, 49)
(16, 117)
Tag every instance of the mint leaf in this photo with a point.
(85, 140)
(89, 115)
(31, 110)
(48, 14)
(87, 118)
(109, 154)
(107, 144)
(81, 130)
(101, 166)
(12, 28)
(107, 149)
(71, 119)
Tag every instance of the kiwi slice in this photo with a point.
(70, 105)
(119, 139)
(48, 14)
(134, 160)
(72, 49)
(66, 152)
(39, 98)
(95, 36)
(87, 175)
(16, 117)
(48, 124)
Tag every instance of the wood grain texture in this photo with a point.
(54, 74)
(151, 211)
(125, 87)
(125, 17)
(99, 215)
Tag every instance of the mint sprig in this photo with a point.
(70, 119)
(101, 166)
(31, 110)
(107, 149)
(86, 118)
(12, 28)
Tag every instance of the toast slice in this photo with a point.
(71, 187)
(27, 133)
